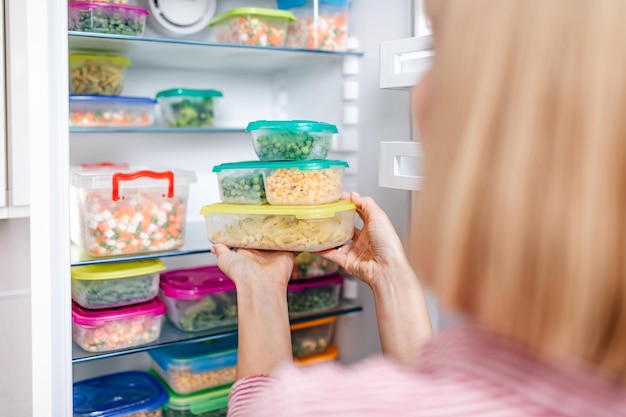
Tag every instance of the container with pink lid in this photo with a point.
(110, 18)
(117, 328)
(314, 295)
(199, 298)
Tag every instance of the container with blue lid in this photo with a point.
(111, 111)
(291, 140)
(308, 182)
(193, 367)
(122, 394)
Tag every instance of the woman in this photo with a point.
(519, 229)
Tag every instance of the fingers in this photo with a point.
(219, 249)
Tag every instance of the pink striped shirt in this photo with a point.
(462, 372)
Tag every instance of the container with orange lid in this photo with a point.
(312, 337)
(329, 355)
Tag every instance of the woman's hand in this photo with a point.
(375, 250)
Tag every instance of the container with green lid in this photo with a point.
(252, 26)
(99, 75)
(280, 140)
(308, 182)
(183, 107)
(110, 285)
(291, 228)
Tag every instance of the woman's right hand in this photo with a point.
(375, 250)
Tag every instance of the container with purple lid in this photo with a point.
(314, 295)
(199, 298)
(118, 327)
(110, 18)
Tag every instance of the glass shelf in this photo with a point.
(171, 335)
(78, 257)
(201, 55)
(172, 130)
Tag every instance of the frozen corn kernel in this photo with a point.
(295, 186)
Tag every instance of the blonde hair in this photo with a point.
(521, 219)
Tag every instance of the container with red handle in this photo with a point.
(120, 209)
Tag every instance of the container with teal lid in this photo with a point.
(193, 367)
(289, 140)
(254, 26)
(307, 182)
(116, 284)
(291, 228)
(184, 107)
(123, 394)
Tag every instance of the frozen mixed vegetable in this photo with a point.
(304, 186)
(192, 113)
(97, 75)
(326, 31)
(312, 299)
(309, 265)
(107, 18)
(252, 26)
(118, 334)
(243, 189)
(114, 292)
(287, 145)
(116, 118)
(212, 310)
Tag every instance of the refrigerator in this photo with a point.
(364, 91)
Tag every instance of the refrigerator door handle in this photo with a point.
(403, 61)
(400, 165)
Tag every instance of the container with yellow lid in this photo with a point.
(312, 337)
(291, 228)
(97, 75)
(116, 284)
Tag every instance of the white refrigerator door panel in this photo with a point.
(403, 61)
(400, 165)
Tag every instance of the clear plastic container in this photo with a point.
(309, 265)
(314, 295)
(111, 18)
(312, 337)
(212, 402)
(291, 140)
(102, 111)
(107, 1)
(199, 298)
(252, 26)
(283, 182)
(101, 75)
(123, 394)
(119, 327)
(194, 367)
(329, 355)
(183, 107)
(123, 210)
(320, 24)
(292, 228)
(116, 284)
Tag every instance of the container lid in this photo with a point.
(254, 11)
(330, 354)
(117, 270)
(290, 4)
(179, 92)
(299, 285)
(323, 211)
(313, 323)
(194, 283)
(112, 99)
(199, 402)
(114, 59)
(311, 164)
(97, 318)
(199, 357)
(92, 5)
(99, 176)
(117, 395)
(292, 126)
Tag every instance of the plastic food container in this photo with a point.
(252, 26)
(194, 367)
(283, 182)
(312, 337)
(101, 75)
(308, 265)
(329, 355)
(118, 19)
(117, 328)
(199, 298)
(182, 107)
(123, 394)
(208, 403)
(116, 284)
(123, 210)
(292, 228)
(291, 140)
(101, 111)
(106, 1)
(320, 24)
(314, 295)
